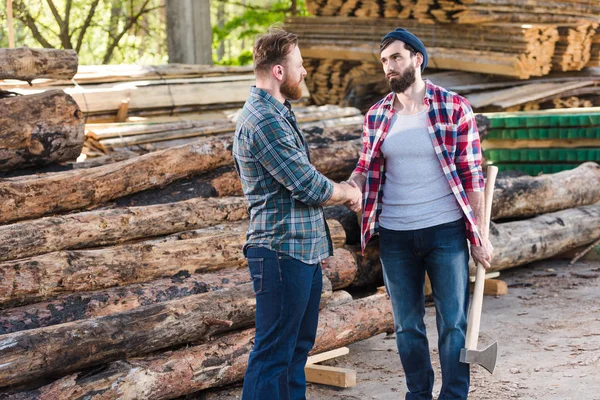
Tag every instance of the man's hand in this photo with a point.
(355, 203)
(345, 193)
(483, 254)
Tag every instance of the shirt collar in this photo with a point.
(388, 101)
(261, 94)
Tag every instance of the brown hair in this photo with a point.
(272, 48)
(389, 41)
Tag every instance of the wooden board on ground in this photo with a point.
(328, 355)
(333, 376)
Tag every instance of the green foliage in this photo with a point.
(101, 31)
(236, 25)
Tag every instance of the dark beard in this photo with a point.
(290, 90)
(401, 83)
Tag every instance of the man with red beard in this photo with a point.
(288, 237)
(420, 171)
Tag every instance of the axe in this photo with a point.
(470, 355)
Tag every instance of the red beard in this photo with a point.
(291, 90)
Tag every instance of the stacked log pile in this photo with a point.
(517, 40)
(162, 290)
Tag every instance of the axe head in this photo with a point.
(486, 357)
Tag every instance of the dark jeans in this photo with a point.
(405, 256)
(288, 293)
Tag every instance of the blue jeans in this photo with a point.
(405, 256)
(288, 293)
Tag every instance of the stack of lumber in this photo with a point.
(44, 128)
(462, 12)
(545, 141)
(573, 50)
(509, 49)
(151, 136)
(114, 93)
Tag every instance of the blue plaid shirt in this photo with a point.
(284, 190)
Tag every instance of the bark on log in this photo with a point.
(340, 269)
(521, 242)
(528, 196)
(41, 277)
(34, 197)
(39, 129)
(221, 362)
(76, 345)
(74, 307)
(104, 227)
(28, 64)
(72, 346)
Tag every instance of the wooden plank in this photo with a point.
(495, 287)
(332, 376)
(328, 355)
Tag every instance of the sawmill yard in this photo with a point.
(122, 218)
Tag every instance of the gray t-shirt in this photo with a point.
(416, 193)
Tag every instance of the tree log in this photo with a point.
(75, 345)
(104, 227)
(528, 196)
(28, 64)
(33, 197)
(39, 129)
(218, 363)
(340, 269)
(521, 242)
(74, 307)
(369, 266)
(38, 278)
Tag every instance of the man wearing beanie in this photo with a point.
(420, 171)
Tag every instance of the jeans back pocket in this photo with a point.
(256, 272)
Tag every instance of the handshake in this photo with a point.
(354, 195)
(348, 193)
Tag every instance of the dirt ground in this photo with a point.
(548, 333)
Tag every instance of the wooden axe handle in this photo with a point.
(477, 300)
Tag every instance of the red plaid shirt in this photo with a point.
(455, 138)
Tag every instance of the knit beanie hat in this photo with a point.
(405, 36)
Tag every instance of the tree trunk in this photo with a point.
(34, 197)
(83, 305)
(104, 227)
(521, 242)
(340, 269)
(38, 278)
(218, 363)
(528, 196)
(39, 129)
(28, 64)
